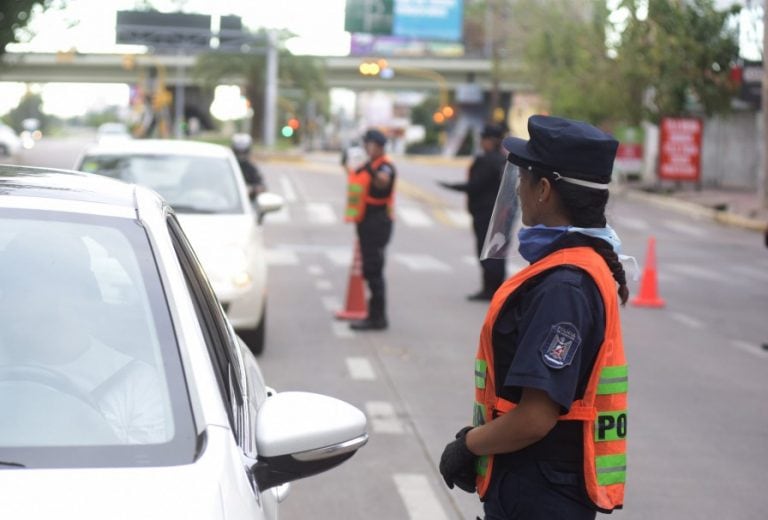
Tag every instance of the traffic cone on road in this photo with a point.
(649, 295)
(355, 307)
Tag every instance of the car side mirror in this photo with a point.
(299, 434)
(267, 202)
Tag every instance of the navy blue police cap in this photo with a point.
(375, 136)
(570, 149)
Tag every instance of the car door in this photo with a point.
(241, 387)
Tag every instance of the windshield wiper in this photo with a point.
(12, 464)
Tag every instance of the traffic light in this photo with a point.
(290, 128)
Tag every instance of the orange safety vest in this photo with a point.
(603, 409)
(358, 191)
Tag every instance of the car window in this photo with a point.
(220, 339)
(190, 184)
(88, 358)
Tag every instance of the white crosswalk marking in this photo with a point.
(749, 348)
(383, 418)
(750, 272)
(287, 187)
(459, 218)
(323, 285)
(340, 257)
(414, 217)
(422, 262)
(635, 224)
(320, 213)
(686, 229)
(419, 498)
(330, 303)
(315, 270)
(360, 369)
(695, 271)
(688, 321)
(277, 257)
(341, 329)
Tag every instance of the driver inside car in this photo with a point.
(49, 304)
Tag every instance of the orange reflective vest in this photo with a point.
(358, 191)
(602, 410)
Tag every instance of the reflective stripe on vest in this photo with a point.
(358, 189)
(602, 410)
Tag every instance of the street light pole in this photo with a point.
(270, 92)
(763, 181)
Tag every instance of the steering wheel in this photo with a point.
(46, 377)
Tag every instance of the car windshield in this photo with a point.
(190, 184)
(89, 367)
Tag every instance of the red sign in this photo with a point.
(680, 148)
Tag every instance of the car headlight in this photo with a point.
(230, 265)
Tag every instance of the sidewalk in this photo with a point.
(734, 207)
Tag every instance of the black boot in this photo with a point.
(369, 323)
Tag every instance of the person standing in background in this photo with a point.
(481, 187)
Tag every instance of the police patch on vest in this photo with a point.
(561, 345)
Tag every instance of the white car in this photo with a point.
(112, 132)
(10, 143)
(124, 391)
(204, 185)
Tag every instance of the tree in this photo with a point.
(14, 16)
(301, 80)
(677, 59)
(588, 64)
(30, 106)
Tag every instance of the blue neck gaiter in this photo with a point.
(537, 241)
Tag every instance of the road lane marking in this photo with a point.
(315, 270)
(277, 257)
(750, 348)
(323, 284)
(414, 217)
(330, 303)
(321, 213)
(752, 272)
(686, 229)
(287, 187)
(688, 321)
(699, 272)
(420, 500)
(341, 329)
(634, 224)
(458, 218)
(360, 369)
(383, 418)
(422, 262)
(339, 257)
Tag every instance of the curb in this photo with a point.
(695, 210)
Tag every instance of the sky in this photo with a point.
(89, 26)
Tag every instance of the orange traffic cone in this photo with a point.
(355, 307)
(649, 296)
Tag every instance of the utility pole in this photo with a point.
(270, 92)
(763, 182)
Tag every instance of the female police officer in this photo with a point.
(548, 439)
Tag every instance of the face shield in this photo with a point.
(501, 239)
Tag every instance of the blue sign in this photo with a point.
(428, 19)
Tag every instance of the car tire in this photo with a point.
(255, 338)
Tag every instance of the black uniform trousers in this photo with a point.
(536, 490)
(374, 233)
(494, 269)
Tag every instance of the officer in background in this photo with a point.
(241, 145)
(550, 414)
(481, 187)
(369, 205)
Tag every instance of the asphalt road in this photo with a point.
(698, 434)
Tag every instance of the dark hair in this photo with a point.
(585, 208)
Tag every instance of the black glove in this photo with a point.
(344, 157)
(445, 184)
(457, 464)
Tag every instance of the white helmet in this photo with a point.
(241, 142)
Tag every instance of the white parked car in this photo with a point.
(204, 185)
(10, 143)
(124, 391)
